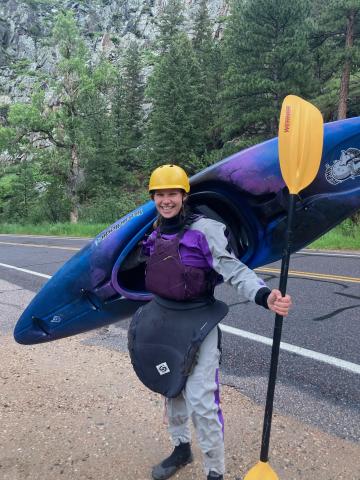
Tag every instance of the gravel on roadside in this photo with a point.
(70, 410)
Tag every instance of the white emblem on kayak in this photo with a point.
(163, 368)
(347, 166)
(56, 319)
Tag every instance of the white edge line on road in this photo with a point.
(36, 245)
(288, 347)
(304, 352)
(330, 254)
(25, 270)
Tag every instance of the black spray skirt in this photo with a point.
(164, 337)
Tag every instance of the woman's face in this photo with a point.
(169, 201)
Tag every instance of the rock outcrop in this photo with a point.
(107, 26)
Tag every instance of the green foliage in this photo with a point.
(209, 57)
(6, 187)
(115, 40)
(7, 138)
(110, 205)
(25, 118)
(67, 38)
(17, 193)
(170, 24)
(71, 128)
(345, 236)
(53, 203)
(61, 229)
(86, 141)
(181, 119)
(21, 67)
(267, 55)
(354, 95)
(331, 50)
(127, 110)
(327, 101)
(175, 119)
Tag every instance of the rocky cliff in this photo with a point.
(106, 25)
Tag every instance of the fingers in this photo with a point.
(282, 306)
(279, 304)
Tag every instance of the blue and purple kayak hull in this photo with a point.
(245, 191)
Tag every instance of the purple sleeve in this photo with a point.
(149, 244)
(206, 251)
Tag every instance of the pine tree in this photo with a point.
(202, 39)
(128, 111)
(96, 148)
(208, 55)
(170, 23)
(174, 128)
(336, 42)
(267, 56)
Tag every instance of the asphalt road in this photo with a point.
(313, 383)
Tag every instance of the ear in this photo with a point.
(185, 197)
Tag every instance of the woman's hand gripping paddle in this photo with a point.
(300, 150)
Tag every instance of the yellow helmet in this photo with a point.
(169, 176)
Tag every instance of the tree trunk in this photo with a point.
(74, 180)
(345, 77)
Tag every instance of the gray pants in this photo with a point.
(200, 400)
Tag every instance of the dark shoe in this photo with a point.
(180, 457)
(215, 476)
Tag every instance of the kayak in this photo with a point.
(244, 191)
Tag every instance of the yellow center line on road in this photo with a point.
(40, 246)
(293, 273)
(318, 276)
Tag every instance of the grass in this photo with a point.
(58, 229)
(345, 236)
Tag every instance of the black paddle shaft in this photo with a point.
(264, 454)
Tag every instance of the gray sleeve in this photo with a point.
(234, 272)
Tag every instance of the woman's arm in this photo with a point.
(236, 273)
(135, 258)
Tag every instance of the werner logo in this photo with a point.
(163, 368)
(287, 119)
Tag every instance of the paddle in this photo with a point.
(300, 150)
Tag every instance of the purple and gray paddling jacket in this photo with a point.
(185, 265)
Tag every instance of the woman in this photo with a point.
(186, 255)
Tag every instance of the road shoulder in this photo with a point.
(77, 411)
